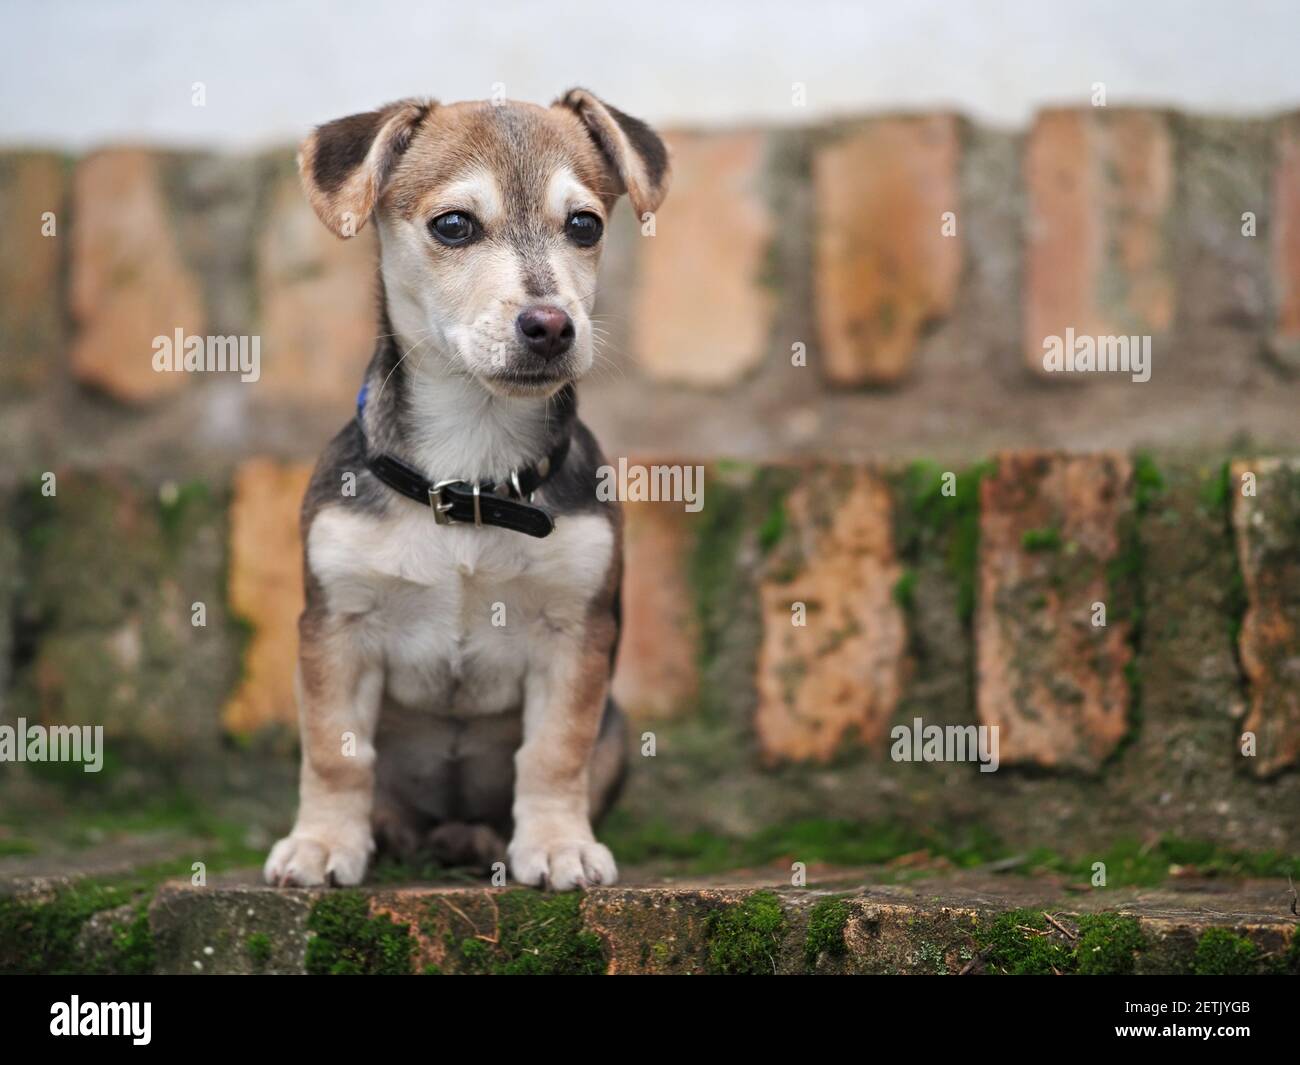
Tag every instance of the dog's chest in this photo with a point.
(458, 615)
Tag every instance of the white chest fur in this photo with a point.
(457, 615)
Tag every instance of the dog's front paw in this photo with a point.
(303, 860)
(560, 863)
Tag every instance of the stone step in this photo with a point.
(958, 924)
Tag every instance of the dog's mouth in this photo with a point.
(526, 382)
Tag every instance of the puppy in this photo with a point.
(462, 578)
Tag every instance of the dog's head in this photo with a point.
(491, 218)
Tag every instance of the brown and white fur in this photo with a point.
(453, 681)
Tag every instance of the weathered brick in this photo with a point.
(31, 327)
(884, 268)
(129, 281)
(265, 589)
(1052, 532)
(218, 203)
(837, 677)
(318, 302)
(1266, 526)
(1100, 186)
(1286, 244)
(702, 308)
(112, 581)
(657, 674)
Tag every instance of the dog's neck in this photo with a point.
(421, 408)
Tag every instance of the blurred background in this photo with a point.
(879, 212)
(188, 147)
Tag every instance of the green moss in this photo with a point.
(1290, 964)
(826, 930)
(348, 941)
(773, 527)
(1148, 481)
(1133, 863)
(258, 948)
(178, 505)
(1216, 490)
(929, 520)
(1041, 540)
(1108, 944)
(1221, 952)
(133, 948)
(1020, 943)
(721, 527)
(1129, 862)
(39, 935)
(1216, 497)
(1124, 581)
(536, 934)
(905, 589)
(744, 937)
(827, 840)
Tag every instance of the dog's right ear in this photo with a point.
(345, 164)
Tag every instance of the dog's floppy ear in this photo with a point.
(345, 164)
(633, 150)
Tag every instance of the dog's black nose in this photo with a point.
(547, 331)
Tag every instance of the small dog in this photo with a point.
(462, 577)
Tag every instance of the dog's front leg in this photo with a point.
(339, 692)
(553, 843)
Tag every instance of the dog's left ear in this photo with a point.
(345, 164)
(633, 150)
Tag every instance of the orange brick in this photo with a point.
(702, 311)
(129, 282)
(1266, 525)
(884, 268)
(266, 591)
(1048, 678)
(657, 675)
(837, 678)
(1100, 187)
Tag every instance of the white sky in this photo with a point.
(79, 72)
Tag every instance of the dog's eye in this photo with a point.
(584, 229)
(454, 228)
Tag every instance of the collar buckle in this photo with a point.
(442, 508)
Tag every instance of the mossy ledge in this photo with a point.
(59, 927)
(348, 940)
(931, 927)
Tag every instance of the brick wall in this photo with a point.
(775, 639)
(917, 263)
(878, 286)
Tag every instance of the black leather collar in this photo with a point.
(501, 503)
